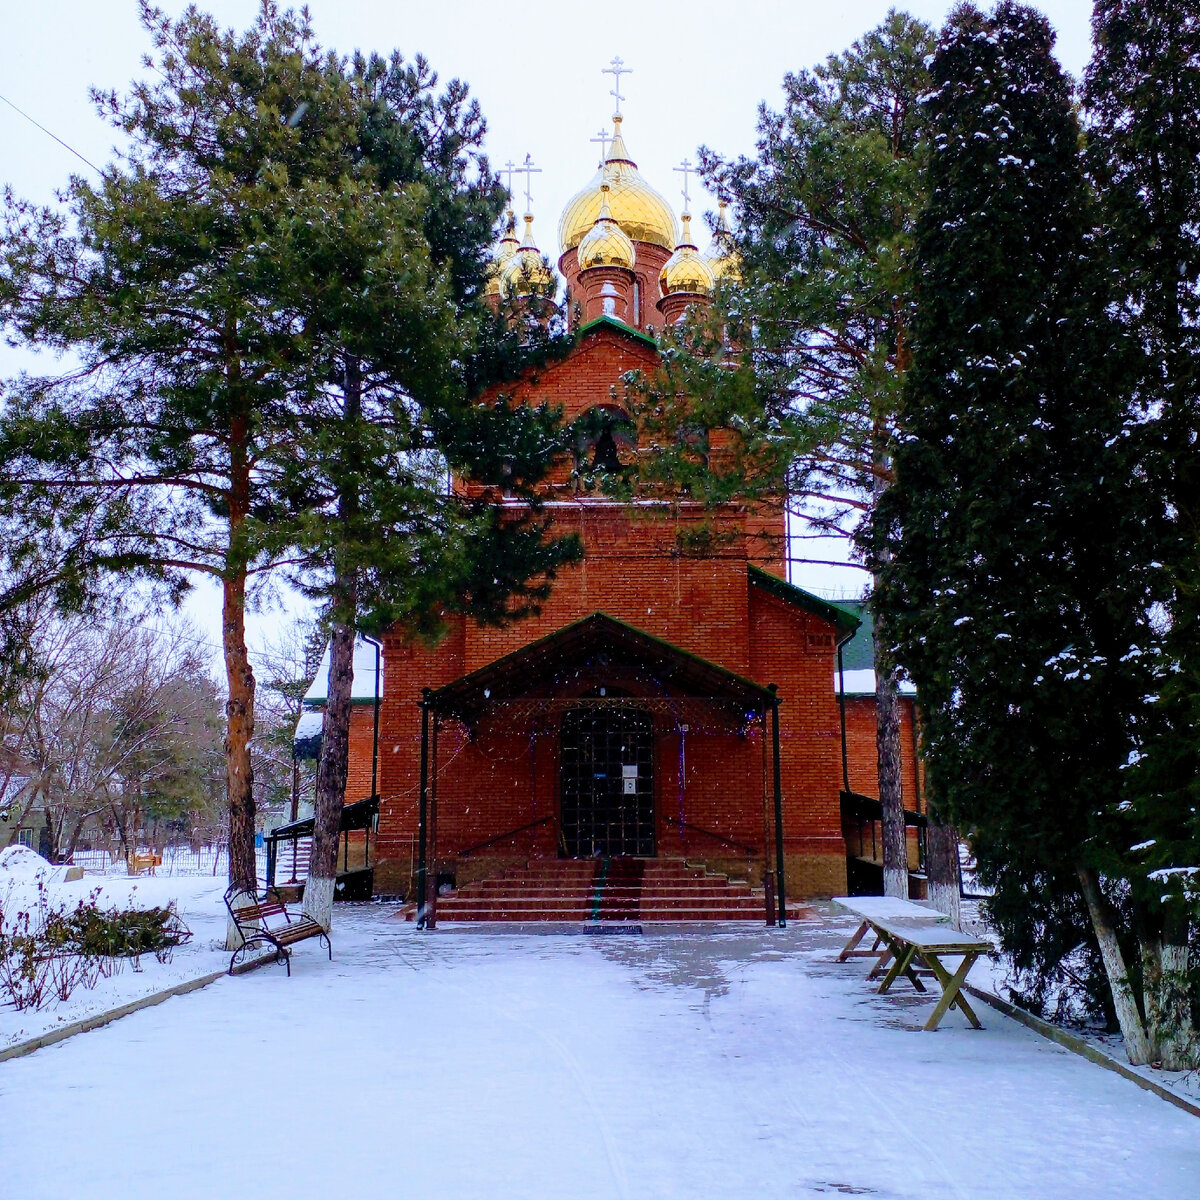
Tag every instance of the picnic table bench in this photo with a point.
(910, 933)
(251, 915)
(144, 862)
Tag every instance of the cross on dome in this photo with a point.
(616, 69)
(603, 137)
(529, 171)
(685, 168)
(509, 168)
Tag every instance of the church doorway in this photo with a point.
(607, 761)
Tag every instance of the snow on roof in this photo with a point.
(364, 675)
(862, 683)
(310, 725)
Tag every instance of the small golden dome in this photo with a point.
(505, 249)
(525, 269)
(639, 210)
(606, 244)
(721, 255)
(685, 271)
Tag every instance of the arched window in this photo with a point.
(604, 440)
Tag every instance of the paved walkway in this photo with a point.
(472, 1064)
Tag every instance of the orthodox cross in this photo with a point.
(616, 70)
(603, 137)
(685, 168)
(509, 167)
(529, 171)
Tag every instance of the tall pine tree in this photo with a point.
(1015, 591)
(820, 320)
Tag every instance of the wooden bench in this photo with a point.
(144, 862)
(910, 933)
(251, 916)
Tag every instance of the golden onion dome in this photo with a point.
(721, 255)
(606, 244)
(505, 249)
(525, 270)
(685, 271)
(639, 210)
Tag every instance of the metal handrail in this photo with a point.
(720, 837)
(501, 836)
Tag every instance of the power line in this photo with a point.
(53, 135)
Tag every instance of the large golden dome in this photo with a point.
(685, 271)
(639, 210)
(606, 244)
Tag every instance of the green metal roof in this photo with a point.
(840, 615)
(858, 654)
(619, 327)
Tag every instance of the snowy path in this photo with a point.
(469, 1064)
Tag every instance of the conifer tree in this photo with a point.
(270, 208)
(1142, 96)
(401, 349)
(820, 322)
(1016, 590)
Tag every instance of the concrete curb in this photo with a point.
(20, 1049)
(1077, 1045)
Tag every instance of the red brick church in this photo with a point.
(670, 721)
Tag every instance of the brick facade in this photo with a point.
(717, 783)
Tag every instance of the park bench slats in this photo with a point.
(252, 922)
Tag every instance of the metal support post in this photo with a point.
(780, 888)
(423, 812)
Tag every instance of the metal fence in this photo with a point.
(185, 861)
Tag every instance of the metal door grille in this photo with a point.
(602, 814)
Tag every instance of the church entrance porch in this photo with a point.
(607, 783)
(598, 745)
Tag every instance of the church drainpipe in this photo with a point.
(780, 889)
(423, 812)
(842, 710)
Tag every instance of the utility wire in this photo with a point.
(53, 135)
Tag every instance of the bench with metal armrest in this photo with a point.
(252, 914)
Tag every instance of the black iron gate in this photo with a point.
(607, 782)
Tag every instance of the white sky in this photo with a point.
(699, 74)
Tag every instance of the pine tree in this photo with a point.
(1016, 590)
(1142, 95)
(282, 247)
(400, 351)
(821, 322)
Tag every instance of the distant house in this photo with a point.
(18, 827)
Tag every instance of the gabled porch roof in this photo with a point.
(595, 640)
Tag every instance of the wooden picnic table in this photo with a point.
(909, 933)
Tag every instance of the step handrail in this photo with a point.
(720, 837)
(501, 836)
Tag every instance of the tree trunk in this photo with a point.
(239, 773)
(1163, 935)
(333, 763)
(941, 867)
(331, 772)
(887, 744)
(1137, 1045)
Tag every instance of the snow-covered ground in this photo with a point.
(199, 903)
(470, 1063)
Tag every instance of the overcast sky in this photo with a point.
(699, 73)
